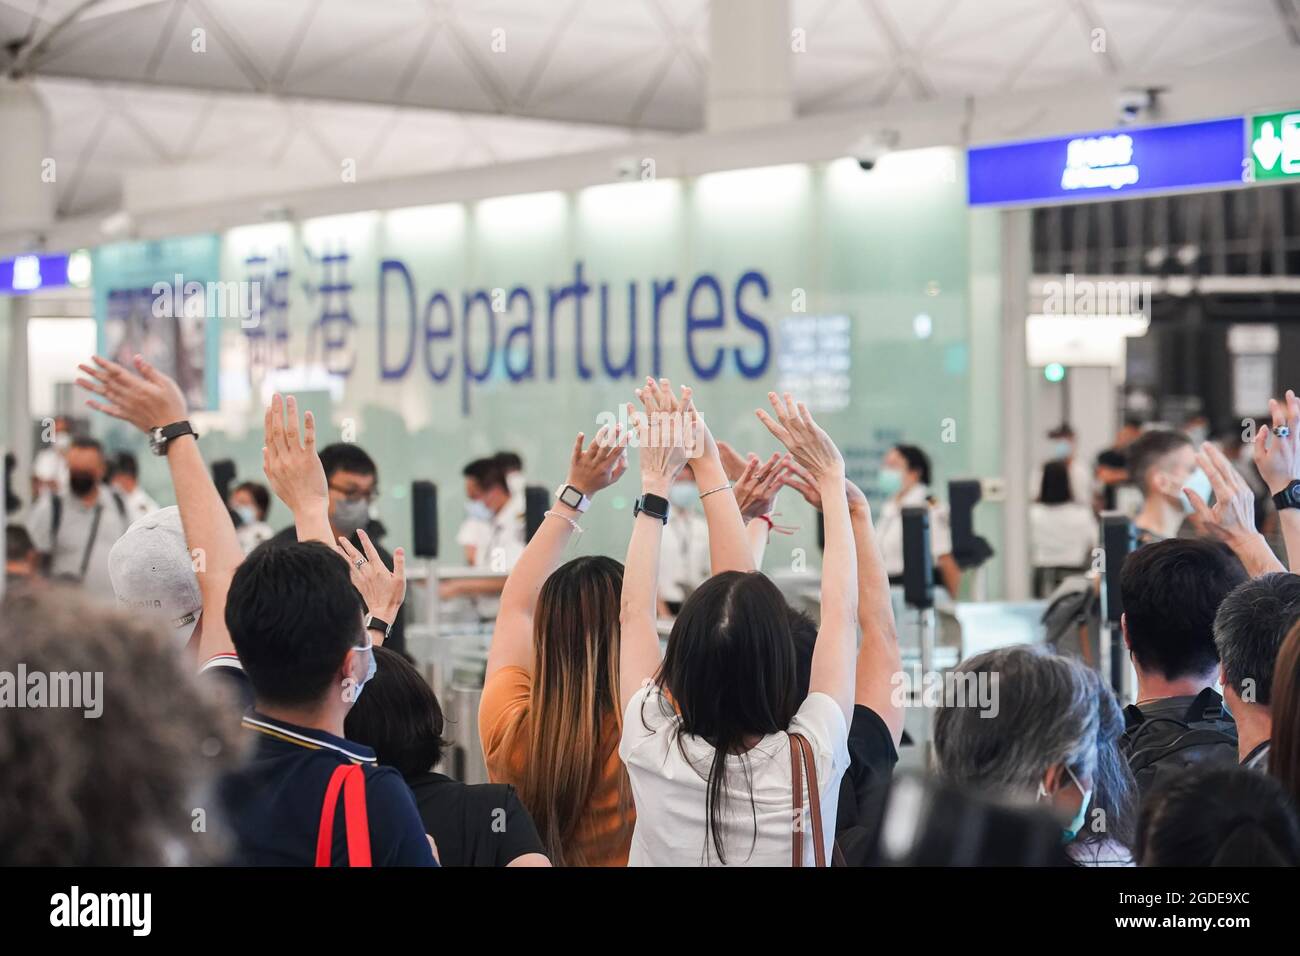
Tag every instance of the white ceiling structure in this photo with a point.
(286, 87)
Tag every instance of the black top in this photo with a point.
(474, 824)
(872, 757)
(396, 640)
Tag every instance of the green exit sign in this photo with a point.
(1275, 145)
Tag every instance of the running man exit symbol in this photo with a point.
(1275, 145)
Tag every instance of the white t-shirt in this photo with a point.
(889, 528)
(671, 793)
(1063, 535)
(138, 503)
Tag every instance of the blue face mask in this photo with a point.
(1062, 449)
(247, 514)
(889, 481)
(1199, 482)
(1072, 828)
(477, 511)
(683, 494)
(357, 688)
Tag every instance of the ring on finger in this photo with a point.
(359, 562)
(1282, 431)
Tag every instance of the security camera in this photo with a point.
(869, 149)
(1134, 105)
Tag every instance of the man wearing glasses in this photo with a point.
(353, 484)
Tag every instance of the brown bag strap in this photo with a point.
(802, 764)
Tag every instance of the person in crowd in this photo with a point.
(684, 556)
(118, 789)
(1065, 448)
(549, 718)
(1219, 816)
(22, 562)
(1129, 432)
(75, 530)
(251, 501)
(1249, 629)
(492, 534)
(905, 479)
(1110, 832)
(876, 728)
(1163, 463)
(1197, 429)
(1171, 591)
(399, 717)
(1062, 530)
(1284, 752)
(126, 480)
(353, 480)
(1111, 482)
(710, 731)
(512, 467)
(153, 573)
(1032, 739)
(50, 463)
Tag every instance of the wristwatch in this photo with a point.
(160, 437)
(573, 497)
(652, 505)
(1288, 497)
(375, 624)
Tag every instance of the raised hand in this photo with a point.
(1233, 513)
(811, 447)
(798, 478)
(662, 433)
(381, 589)
(1278, 456)
(601, 464)
(759, 482)
(148, 400)
(291, 465)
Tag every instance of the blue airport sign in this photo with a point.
(1109, 163)
(24, 274)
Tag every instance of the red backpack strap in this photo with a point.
(351, 780)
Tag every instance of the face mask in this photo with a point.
(1197, 435)
(63, 441)
(247, 514)
(515, 482)
(890, 481)
(1072, 828)
(1062, 449)
(1199, 482)
(81, 482)
(683, 494)
(351, 515)
(477, 511)
(360, 685)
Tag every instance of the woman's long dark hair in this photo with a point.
(730, 670)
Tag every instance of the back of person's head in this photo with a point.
(917, 461)
(345, 456)
(1112, 458)
(398, 716)
(1284, 752)
(487, 472)
(1112, 814)
(106, 767)
(1054, 489)
(1148, 451)
(508, 461)
(293, 615)
(1249, 629)
(730, 669)
(1043, 715)
(18, 543)
(1171, 591)
(574, 698)
(1227, 816)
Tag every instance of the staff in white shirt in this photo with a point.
(905, 477)
(493, 532)
(126, 479)
(1062, 531)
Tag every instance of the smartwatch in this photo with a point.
(1288, 497)
(375, 624)
(574, 498)
(159, 438)
(652, 505)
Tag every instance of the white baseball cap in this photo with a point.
(151, 571)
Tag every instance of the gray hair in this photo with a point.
(1249, 628)
(1047, 715)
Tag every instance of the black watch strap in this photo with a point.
(1288, 497)
(653, 505)
(375, 624)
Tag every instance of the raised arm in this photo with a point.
(1232, 519)
(879, 659)
(755, 485)
(1277, 456)
(150, 400)
(591, 470)
(812, 448)
(298, 479)
(660, 461)
(729, 548)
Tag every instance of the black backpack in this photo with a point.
(1162, 747)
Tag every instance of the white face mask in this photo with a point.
(477, 511)
(515, 481)
(684, 494)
